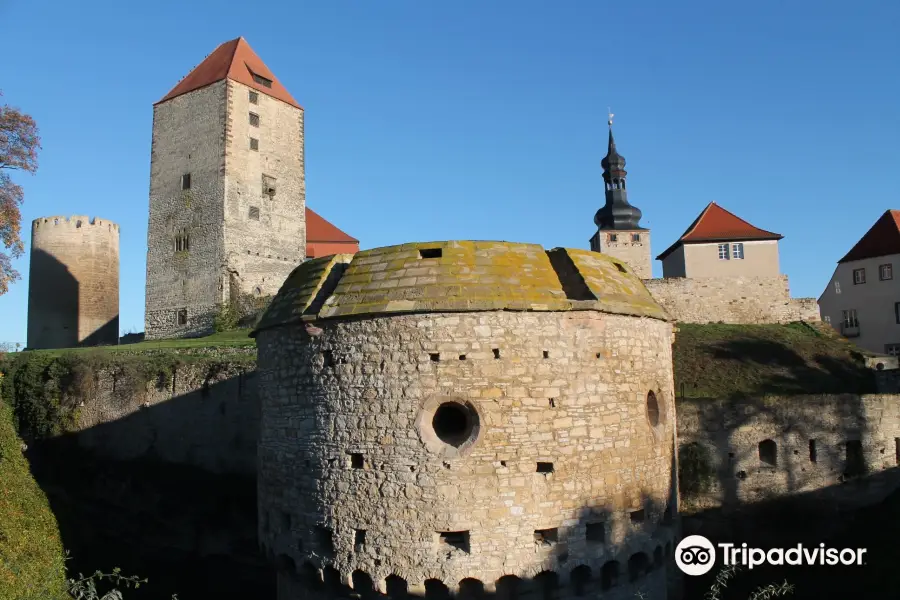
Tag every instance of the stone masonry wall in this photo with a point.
(73, 285)
(622, 245)
(562, 474)
(265, 234)
(188, 137)
(205, 416)
(748, 300)
(775, 446)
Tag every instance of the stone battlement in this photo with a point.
(459, 276)
(74, 221)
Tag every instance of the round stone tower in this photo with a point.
(73, 283)
(467, 418)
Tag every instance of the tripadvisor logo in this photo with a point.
(696, 555)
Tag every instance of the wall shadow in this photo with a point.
(159, 495)
(105, 335)
(52, 303)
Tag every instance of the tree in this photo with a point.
(19, 144)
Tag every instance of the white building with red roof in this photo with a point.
(862, 299)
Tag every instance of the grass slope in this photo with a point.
(32, 564)
(236, 338)
(722, 361)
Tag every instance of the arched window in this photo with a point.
(638, 565)
(609, 575)
(546, 583)
(396, 587)
(508, 587)
(363, 584)
(581, 580)
(470, 589)
(436, 590)
(768, 453)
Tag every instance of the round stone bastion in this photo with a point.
(467, 419)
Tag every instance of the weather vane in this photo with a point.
(611, 115)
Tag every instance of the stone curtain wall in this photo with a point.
(758, 449)
(745, 300)
(203, 415)
(562, 476)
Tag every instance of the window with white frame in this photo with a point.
(849, 318)
(737, 251)
(723, 252)
(886, 272)
(859, 276)
(837, 287)
(827, 319)
(892, 349)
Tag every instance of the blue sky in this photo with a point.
(487, 120)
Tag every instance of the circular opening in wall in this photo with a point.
(449, 426)
(652, 409)
(453, 423)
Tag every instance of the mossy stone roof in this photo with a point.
(459, 276)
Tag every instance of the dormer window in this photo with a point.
(261, 80)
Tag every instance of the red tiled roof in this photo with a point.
(320, 230)
(233, 60)
(882, 239)
(715, 224)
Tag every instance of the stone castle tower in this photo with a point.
(227, 191)
(619, 233)
(455, 419)
(73, 283)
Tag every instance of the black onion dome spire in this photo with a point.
(616, 213)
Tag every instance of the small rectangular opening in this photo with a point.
(254, 144)
(186, 181)
(254, 213)
(595, 533)
(435, 356)
(254, 120)
(856, 461)
(546, 537)
(546, 354)
(430, 252)
(359, 538)
(254, 98)
(326, 540)
(552, 402)
(455, 539)
(356, 460)
(496, 352)
(812, 451)
(182, 316)
(897, 449)
(545, 467)
(637, 516)
(327, 358)
(462, 357)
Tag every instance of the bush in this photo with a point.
(696, 474)
(32, 563)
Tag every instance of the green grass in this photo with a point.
(32, 564)
(722, 361)
(236, 338)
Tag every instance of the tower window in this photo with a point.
(268, 185)
(254, 120)
(182, 241)
(254, 213)
(635, 237)
(723, 252)
(254, 144)
(859, 276)
(186, 181)
(182, 316)
(254, 97)
(737, 251)
(262, 80)
(613, 237)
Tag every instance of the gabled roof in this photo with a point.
(882, 239)
(320, 230)
(715, 224)
(233, 60)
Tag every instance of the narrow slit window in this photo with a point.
(186, 181)
(359, 538)
(813, 457)
(496, 352)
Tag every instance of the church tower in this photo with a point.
(619, 233)
(227, 192)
